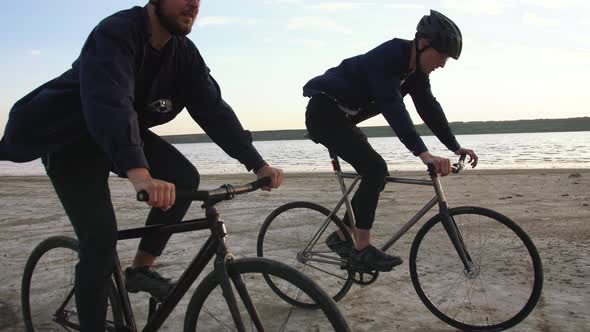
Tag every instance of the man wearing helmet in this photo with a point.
(136, 70)
(375, 83)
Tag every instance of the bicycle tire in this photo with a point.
(204, 303)
(65, 263)
(286, 247)
(490, 300)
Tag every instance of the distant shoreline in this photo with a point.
(459, 128)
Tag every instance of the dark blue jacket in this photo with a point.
(372, 83)
(97, 97)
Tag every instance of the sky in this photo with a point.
(526, 59)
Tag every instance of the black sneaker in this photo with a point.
(341, 247)
(371, 258)
(144, 279)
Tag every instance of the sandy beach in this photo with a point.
(552, 206)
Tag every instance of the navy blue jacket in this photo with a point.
(373, 83)
(97, 97)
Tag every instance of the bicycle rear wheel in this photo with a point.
(208, 310)
(283, 237)
(502, 288)
(47, 292)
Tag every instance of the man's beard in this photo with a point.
(171, 25)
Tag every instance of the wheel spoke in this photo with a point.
(208, 310)
(471, 299)
(48, 291)
(279, 240)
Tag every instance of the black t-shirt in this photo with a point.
(148, 71)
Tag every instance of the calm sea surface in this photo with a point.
(496, 151)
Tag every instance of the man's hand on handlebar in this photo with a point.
(162, 194)
(441, 165)
(275, 174)
(472, 156)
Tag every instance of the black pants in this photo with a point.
(330, 126)
(79, 173)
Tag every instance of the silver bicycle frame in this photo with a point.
(308, 255)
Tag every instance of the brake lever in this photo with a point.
(460, 165)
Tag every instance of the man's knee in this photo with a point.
(376, 172)
(189, 177)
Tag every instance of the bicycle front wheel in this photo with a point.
(48, 293)
(259, 306)
(286, 233)
(503, 284)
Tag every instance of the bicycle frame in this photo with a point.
(448, 223)
(215, 245)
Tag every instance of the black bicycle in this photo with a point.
(233, 297)
(474, 268)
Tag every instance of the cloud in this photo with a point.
(541, 22)
(352, 5)
(547, 55)
(582, 40)
(490, 7)
(561, 4)
(315, 23)
(282, 2)
(498, 45)
(539, 57)
(309, 43)
(405, 6)
(341, 5)
(35, 52)
(230, 59)
(225, 20)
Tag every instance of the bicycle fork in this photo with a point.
(452, 230)
(220, 266)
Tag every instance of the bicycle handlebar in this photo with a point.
(460, 165)
(225, 192)
(456, 168)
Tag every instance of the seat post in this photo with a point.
(343, 188)
(335, 162)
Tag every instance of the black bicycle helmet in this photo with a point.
(444, 34)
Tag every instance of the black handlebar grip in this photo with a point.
(261, 182)
(143, 196)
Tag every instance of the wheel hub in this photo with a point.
(472, 272)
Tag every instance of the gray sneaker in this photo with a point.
(144, 279)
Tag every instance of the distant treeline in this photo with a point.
(459, 128)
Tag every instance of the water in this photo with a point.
(496, 151)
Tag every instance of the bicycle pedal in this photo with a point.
(344, 265)
(360, 269)
(364, 278)
(355, 268)
(365, 269)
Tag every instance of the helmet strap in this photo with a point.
(419, 51)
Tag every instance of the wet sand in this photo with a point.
(552, 206)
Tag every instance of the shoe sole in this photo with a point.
(132, 290)
(137, 290)
(367, 269)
